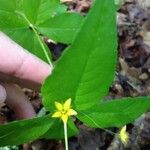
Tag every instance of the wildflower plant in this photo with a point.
(81, 77)
(63, 112)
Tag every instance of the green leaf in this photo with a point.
(19, 28)
(114, 113)
(37, 11)
(56, 131)
(31, 9)
(28, 40)
(19, 132)
(62, 28)
(8, 5)
(86, 70)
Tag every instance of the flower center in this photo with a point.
(64, 111)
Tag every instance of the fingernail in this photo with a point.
(2, 94)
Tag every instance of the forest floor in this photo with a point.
(132, 79)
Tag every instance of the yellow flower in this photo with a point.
(64, 110)
(123, 135)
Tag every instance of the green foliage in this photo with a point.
(114, 113)
(86, 70)
(56, 131)
(83, 73)
(23, 131)
(21, 20)
(62, 28)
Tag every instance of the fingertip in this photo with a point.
(3, 94)
(33, 69)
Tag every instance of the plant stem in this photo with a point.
(108, 131)
(38, 37)
(66, 137)
(42, 45)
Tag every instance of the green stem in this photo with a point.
(66, 137)
(108, 131)
(38, 37)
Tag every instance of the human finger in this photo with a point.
(18, 102)
(21, 82)
(18, 62)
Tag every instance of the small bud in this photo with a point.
(124, 136)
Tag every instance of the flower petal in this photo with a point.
(57, 114)
(67, 104)
(71, 112)
(59, 106)
(64, 118)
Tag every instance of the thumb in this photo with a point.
(2, 94)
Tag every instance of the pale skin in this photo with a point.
(18, 68)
